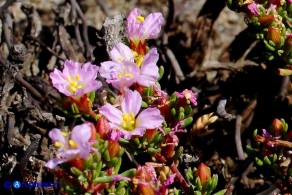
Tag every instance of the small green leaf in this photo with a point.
(76, 171)
(267, 160)
(161, 72)
(221, 192)
(259, 162)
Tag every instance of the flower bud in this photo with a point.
(288, 42)
(78, 163)
(265, 20)
(149, 134)
(113, 148)
(93, 133)
(274, 35)
(145, 189)
(102, 127)
(83, 103)
(277, 127)
(203, 173)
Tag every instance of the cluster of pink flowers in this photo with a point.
(130, 69)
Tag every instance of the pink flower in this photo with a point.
(188, 96)
(75, 80)
(252, 9)
(127, 120)
(127, 68)
(121, 75)
(140, 28)
(77, 145)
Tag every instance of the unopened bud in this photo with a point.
(113, 148)
(102, 127)
(78, 163)
(288, 42)
(145, 189)
(277, 127)
(265, 20)
(203, 173)
(150, 133)
(274, 35)
(93, 133)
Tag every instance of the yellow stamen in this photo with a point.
(140, 18)
(188, 95)
(58, 144)
(139, 60)
(119, 59)
(128, 121)
(72, 143)
(64, 133)
(74, 85)
(128, 75)
(135, 181)
(135, 54)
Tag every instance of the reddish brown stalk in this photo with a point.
(282, 143)
(184, 185)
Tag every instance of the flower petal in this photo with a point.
(113, 114)
(57, 136)
(132, 102)
(121, 52)
(149, 75)
(133, 25)
(150, 118)
(51, 164)
(81, 133)
(139, 131)
(109, 70)
(151, 26)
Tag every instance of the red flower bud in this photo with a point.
(288, 42)
(149, 134)
(277, 127)
(274, 35)
(83, 103)
(113, 148)
(102, 127)
(78, 163)
(93, 133)
(203, 173)
(265, 20)
(138, 88)
(145, 189)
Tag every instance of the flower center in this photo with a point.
(128, 121)
(138, 58)
(73, 83)
(127, 75)
(58, 144)
(188, 95)
(140, 18)
(72, 143)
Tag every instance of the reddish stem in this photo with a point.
(185, 186)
